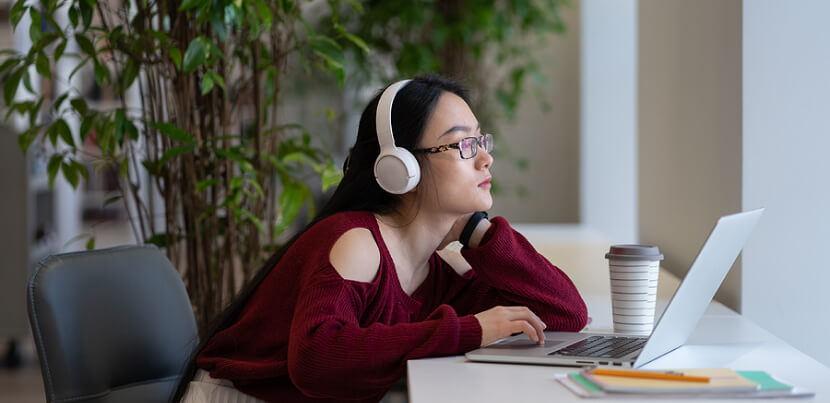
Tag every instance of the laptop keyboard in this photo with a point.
(603, 347)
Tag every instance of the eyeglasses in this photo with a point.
(467, 147)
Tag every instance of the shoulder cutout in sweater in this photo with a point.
(355, 255)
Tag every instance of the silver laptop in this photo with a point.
(672, 329)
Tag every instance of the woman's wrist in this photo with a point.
(470, 227)
(478, 233)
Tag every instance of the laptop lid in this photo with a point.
(700, 284)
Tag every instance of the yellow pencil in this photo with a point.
(650, 375)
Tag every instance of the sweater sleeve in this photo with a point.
(331, 355)
(507, 270)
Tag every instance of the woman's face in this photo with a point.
(455, 185)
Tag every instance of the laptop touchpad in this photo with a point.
(526, 343)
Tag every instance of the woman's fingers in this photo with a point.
(525, 327)
(523, 310)
(525, 314)
(499, 322)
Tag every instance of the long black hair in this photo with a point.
(357, 191)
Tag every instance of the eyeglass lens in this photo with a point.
(469, 145)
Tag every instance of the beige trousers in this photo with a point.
(204, 389)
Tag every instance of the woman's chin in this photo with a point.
(487, 203)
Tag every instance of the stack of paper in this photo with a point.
(722, 383)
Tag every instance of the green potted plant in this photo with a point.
(195, 89)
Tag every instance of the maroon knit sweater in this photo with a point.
(307, 334)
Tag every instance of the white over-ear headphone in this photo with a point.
(396, 169)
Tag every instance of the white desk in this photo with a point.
(722, 339)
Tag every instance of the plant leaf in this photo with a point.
(73, 16)
(216, 78)
(217, 21)
(46, 39)
(111, 200)
(202, 185)
(26, 138)
(119, 125)
(236, 182)
(80, 168)
(86, 12)
(64, 132)
(80, 65)
(42, 65)
(329, 50)
(27, 82)
(174, 152)
(244, 164)
(52, 133)
(360, 43)
(152, 168)
(85, 44)
(194, 56)
(76, 238)
(297, 157)
(70, 174)
(11, 84)
(102, 73)
(330, 176)
(291, 199)
(174, 132)
(252, 218)
(17, 12)
(10, 63)
(176, 56)
(34, 29)
(188, 4)
(129, 75)
(257, 187)
(86, 124)
(207, 84)
(57, 104)
(80, 105)
(131, 130)
(59, 50)
(157, 239)
(22, 108)
(123, 168)
(265, 14)
(53, 167)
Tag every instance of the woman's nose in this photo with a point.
(483, 158)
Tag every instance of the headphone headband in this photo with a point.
(383, 117)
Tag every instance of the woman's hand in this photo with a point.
(502, 321)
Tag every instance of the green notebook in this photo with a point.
(722, 382)
(767, 387)
(764, 380)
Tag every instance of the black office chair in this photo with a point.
(110, 325)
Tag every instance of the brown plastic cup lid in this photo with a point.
(634, 252)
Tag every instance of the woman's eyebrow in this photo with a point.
(462, 128)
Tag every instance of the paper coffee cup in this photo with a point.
(633, 272)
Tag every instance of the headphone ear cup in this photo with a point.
(397, 171)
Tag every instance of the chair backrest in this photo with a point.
(110, 325)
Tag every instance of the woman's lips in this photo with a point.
(486, 183)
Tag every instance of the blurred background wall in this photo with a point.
(689, 136)
(548, 137)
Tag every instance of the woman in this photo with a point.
(337, 312)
